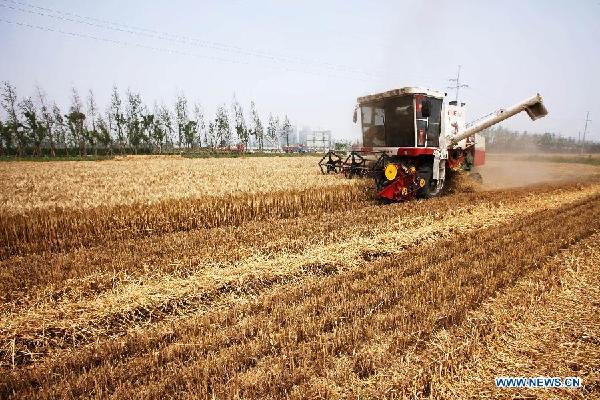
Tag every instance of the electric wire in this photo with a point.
(123, 28)
(173, 51)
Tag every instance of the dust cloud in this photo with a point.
(508, 170)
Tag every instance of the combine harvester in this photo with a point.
(411, 137)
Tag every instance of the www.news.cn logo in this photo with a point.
(538, 382)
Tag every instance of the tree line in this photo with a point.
(504, 140)
(34, 126)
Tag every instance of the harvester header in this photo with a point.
(411, 136)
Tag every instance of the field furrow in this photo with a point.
(275, 344)
(60, 324)
(544, 325)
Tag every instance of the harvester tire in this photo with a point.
(430, 189)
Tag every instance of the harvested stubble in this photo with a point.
(547, 325)
(280, 343)
(182, 253)
(75, 316)
(436, 364)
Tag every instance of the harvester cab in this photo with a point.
(411, 136)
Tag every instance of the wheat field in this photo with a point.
(261, 279)
(151, 179)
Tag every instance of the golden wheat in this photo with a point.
(257, 290)
(148, 296)
(81, 185)
(281, 343)
(75, 304)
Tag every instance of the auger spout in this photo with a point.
(533, 106)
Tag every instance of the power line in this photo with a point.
(168, 50)
(123, 28)
(114, 41)
(205, 44)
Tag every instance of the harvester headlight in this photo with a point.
(391, 171)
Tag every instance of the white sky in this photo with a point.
(311, 59)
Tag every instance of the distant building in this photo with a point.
(318, 140)
(302, 135)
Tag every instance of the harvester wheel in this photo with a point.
(430, 188)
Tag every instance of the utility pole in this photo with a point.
(587, 119)
(457, 84)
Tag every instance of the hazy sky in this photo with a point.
(311, 59)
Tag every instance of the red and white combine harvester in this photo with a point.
(411, 137)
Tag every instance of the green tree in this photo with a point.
(91, 132)
(272, 129)
(4, 138)
(134, 120)
(547, 141)
(212, 140)
(200, 125)
(240, 123)
(48, 118)
(186, 128)
(13, 125)
(190, 130)
(181, 116)
(35, 130)
(158, 135)
(75, 122)
(117, 118)
(103, 135)
(147, 126)
(286, 131)
(257, 129)
(222, 127)
(60, 128)
(165, 132)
